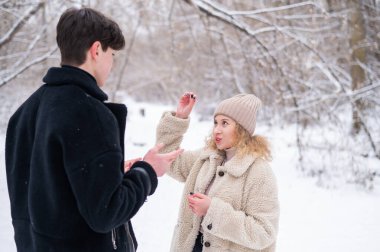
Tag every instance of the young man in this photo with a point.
(65, 151)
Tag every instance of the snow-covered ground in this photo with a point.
(312, 218)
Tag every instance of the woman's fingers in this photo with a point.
(199, 195)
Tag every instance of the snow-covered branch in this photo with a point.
(21, 69)
(19, 23)
(258, 11)
(348, 95)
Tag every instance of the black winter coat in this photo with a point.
(64, 162)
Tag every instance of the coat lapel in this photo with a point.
(238, 166)
(207, 172)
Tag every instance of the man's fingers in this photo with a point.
(171, 156)
(176, 153)
(135, 160)
(158, 147)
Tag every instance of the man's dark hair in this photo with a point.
(78, 29)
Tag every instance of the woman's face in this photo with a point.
(224, 132)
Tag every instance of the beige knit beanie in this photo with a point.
(242, 108)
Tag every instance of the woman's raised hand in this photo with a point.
(185, 105)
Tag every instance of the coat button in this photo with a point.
(221, 173)
(207, 244)
(209, 226)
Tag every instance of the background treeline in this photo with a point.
(315, 64)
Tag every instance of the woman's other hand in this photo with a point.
(199, 203)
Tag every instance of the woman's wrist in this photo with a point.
(180, 115)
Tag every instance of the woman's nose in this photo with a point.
(217, 129)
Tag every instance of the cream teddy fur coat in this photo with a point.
(244, 210)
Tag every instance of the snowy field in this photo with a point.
(312, 218)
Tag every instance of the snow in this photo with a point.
(345, 218)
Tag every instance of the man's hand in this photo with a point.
(161, 162)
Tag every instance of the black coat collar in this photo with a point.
(69, 75)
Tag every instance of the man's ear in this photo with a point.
(94, 49)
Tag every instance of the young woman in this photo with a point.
(230, 198)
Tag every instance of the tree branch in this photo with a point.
(26, 66)
(19, 23)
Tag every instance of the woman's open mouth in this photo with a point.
(218, 140)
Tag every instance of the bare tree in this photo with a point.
(315, 64)
(358, 57)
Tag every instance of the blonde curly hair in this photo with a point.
(245, 144)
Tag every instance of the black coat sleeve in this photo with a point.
(106, 197)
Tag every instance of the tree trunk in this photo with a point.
(358, 55)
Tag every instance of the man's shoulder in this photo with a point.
(30, 104)
(71, 97)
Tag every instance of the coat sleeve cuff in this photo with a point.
(169, 123)
(150, 175)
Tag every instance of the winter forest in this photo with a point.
(315, 65)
